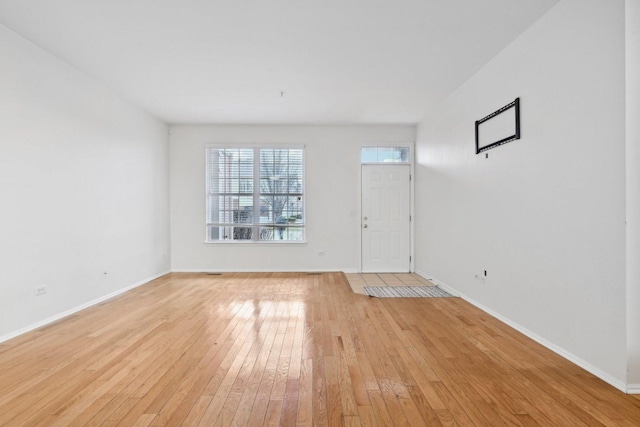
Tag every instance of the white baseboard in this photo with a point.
(620, 385)
(279, 270)
(69, 312)
(627, 388)
(633, 388)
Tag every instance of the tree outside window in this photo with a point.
(255, 194)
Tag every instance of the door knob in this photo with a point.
(365, 226)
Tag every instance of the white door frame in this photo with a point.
(411, 201)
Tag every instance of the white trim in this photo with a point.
(257, 242)
(620, 385)
(278, 270)
(439, 284)
(78, 308)
(253, 145)
(633, 388)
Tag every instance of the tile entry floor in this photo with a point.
(358, 281)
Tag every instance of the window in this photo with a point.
(385, 155)
(255, 194)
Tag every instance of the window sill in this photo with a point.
(258, 243)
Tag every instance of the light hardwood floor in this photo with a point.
(292, 349)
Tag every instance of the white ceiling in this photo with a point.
(337, 61)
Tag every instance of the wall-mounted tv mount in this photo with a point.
(499, 127)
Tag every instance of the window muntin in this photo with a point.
(385, 155)
(255, 194)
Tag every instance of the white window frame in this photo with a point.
(256, 225)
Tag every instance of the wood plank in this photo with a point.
(292, 349)
(305, 397)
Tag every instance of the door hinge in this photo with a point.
(409, 218)
(409, 258)
(409, 177)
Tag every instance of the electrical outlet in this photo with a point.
(41, 290)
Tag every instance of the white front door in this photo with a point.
(386, 209)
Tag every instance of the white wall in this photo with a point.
(633, 191)
(332, 197)
(83, 188)
(545, 215)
